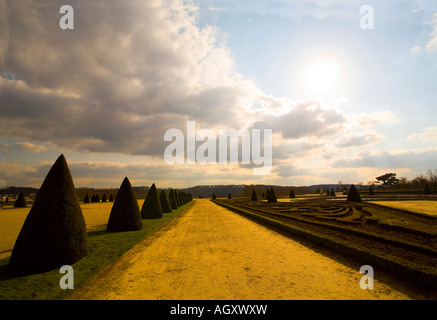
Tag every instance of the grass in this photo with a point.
(421, 206)
(397, 254)
(103, 249)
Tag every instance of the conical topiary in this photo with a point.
(97, 198)
(292, 194)
(152, 206)
(125, 213)
(104, 197)
(267, 194)
(172, 199)
(229, 196)
(179, 195)
(165, 204)
(54, 233)
(20, 202)
(111, 198)
(254, 196)
(214, 196)
(353, 194)
(272, 196)
(333, 192)
(86, 199)
(371, 192)
(176, 196)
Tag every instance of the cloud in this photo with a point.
(431, 46)
(305, 118)
(359, 140)
(416, 49)
(427, 134)
(420, 160)
(22, 146)
(127, 72)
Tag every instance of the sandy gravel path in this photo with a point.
(209, 252)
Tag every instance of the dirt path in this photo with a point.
(211, 253)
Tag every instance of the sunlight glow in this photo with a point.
(321, 77)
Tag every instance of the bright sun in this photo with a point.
(321, 77)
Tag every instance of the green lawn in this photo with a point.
(103, 248)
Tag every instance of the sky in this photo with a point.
(344, 102)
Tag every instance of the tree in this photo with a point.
(179, 196)
(267, 194)
(20, 202)
(353, 194)
(292, 194)
(151, 208)
(165, 204)
(178, 200)
(111, 198)
(54, 232)
(125, 213)
(371, 192)
(104, 197)
(254, 197)
(213, 196)
(333, 193)
(388, 179)
(87, 199)
(229, 196)
(272, 196)
(427, 189)
(432, 178)
(172, 199)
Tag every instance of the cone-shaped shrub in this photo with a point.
(125, 213)
(267, 194)
(93, 198)
(229, 196)
(54, 233)
(333, 192)
(272, 196)
(176, 196)
(292, 195)
(353, 194)
(111, 198)
(104, 198)
(371, 192)
(172, 199)
(97, 198)
(254, 196)
(152, 206)
(87, 199)
(165, 204)
(213, 196)
(20, 202)
(181, 198)
(179, 194)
